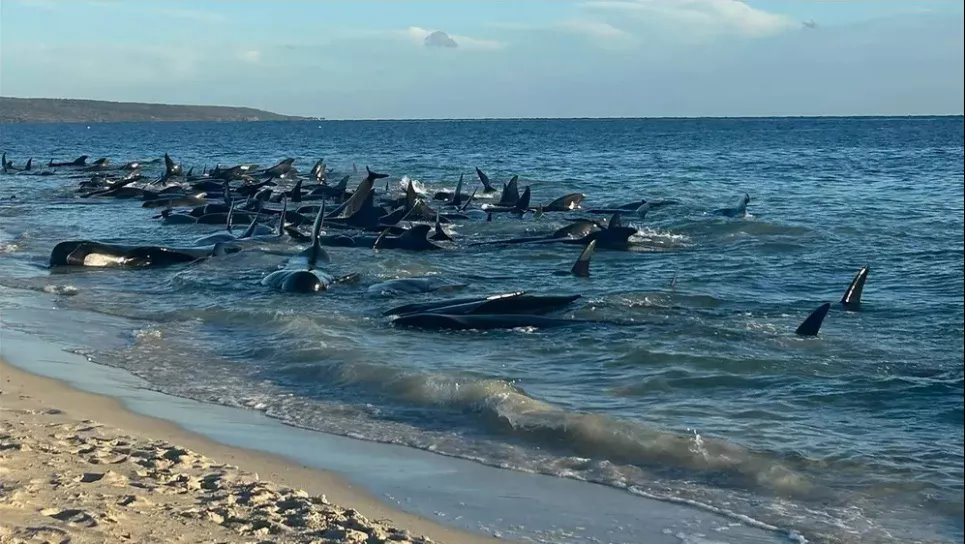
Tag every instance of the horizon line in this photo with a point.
(298, 117)
(306, 119)
(633, 117)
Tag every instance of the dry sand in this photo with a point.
(77, 467)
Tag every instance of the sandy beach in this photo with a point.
(78, 467)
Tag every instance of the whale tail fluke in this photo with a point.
(374, 175)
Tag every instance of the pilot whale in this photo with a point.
(737, 211)
(294, 279)
(100, 255)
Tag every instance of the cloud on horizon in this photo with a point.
(439, 39)
(597, 33)
(694, 20)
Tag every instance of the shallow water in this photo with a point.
(702, 393)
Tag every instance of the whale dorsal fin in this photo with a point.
(581, 267)
(440, 233)
(523, 203)
(510, 194)
(316, 252)
(457, 195)
(297, 191)
(852, 297)
(468, 201)
(484, 179)
(812, 324)
(742, 206)
(410, 196)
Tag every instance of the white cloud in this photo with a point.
(417, 34)
(198, 15)
(466, 42)
(190, 14)
(599, 33)
(698, 18)
(47, 5)
(251, 55)
(598, 30)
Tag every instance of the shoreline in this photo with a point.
(472, 501)
(32, 401)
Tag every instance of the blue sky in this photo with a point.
(462, 58)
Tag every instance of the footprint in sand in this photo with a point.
(90, 477)
(44, 533)
(71, 515)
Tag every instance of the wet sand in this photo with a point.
(79, 467)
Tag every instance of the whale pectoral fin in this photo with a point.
(378, 241)
(582, 266)
(354, 277)
(812, 324)
(468, 201)
(231, 211)
(642, 210)
(218, 250)
(281, 219)
(250, 231)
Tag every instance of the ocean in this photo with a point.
(690, 386)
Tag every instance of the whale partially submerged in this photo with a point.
(101, 255)
(502, 311)
(301, 274)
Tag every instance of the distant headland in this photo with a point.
(63, 110)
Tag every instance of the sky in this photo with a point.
(471, 59)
